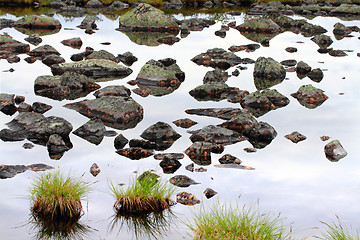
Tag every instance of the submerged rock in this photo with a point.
(187, 199)
(117, 112)
(217, 58)
(233, 165)
(295, 137)
(9, 171)
(135, 153)
(146, 18)
(310, 96)
(334, 151)
(69, 85)
(93, 131)
(182, 181)
(95, 68)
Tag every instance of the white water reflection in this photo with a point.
(294, 179)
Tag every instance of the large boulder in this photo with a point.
(95, 68)
(268, 72)
(42, 25)
(114, 111)
(146, 18)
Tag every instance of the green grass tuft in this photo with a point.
(234, 223)
(57, 197)
(143, 195)
(337, 231)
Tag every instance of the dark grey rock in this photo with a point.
(93, 131)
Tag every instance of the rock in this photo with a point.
(6, 23)
(120, 141)
(190, 167)
(7, 104)
(250, 150)
(214, 91)
(92, 131)
(239, 122)
(117, 112)
(160, 131)
(95, 68)
(135, 153)
(95, 170)
(13, 59)
(77, 57)
(143, 92)
(187, 199)
(24, 107)
(216, 135)
(148, 175)
(117, 5)
(291, 49)
(346, 9)
(289, 63)
(73, 42)
(19, 99)
(8, 135)
(337, 53)
(209, 193)
(324, 138)
(28, 146)
(234, 165)
(247, 48)
(102, 54)
(34, 39)
(44, 23)
(169, 40)
(162, 156)
(40, 107)
(10, 46)
(310, 96)
(322, 40)
(114, 90)
(228, 158)
(88, 23)
(127, 58)
(200, 152)
(146, 18)
(295, 137)
(260, 134)
(217, 58)
(94, 4)
(216, 75)
(195, 24)
(146, 144)
(9, 171)
(334, 151)
(170, 165)
(302, 68)
(200, 169)
(260, 25)
(185, 123)
(52, 59)
(267, 73)
(70, 85)
(222, 113)
(110, 133)
(161, 77)
(316, 75)
(182, 181)
(43, 51)
(235, 95)
(56, 146)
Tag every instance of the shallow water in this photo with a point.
(294, 179)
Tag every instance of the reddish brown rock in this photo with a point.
(135, 153)
(310, 96)
(95, 170)
(295, 137)
(184, 123)
(187, 199)
(73, 42)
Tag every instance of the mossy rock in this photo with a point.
(213, 91)
(267, 73)
(346, 9)
(38, 22)
(259, 25)
(145, 18)
(147, 38)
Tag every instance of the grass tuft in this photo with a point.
(338, 231)
(234, 223)
(56, 197)
(143, 195)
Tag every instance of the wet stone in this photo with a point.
(337, 53)
(94, 170)
(295, 137)
(200, 152)
(291, 49)
(143, 92)
(260, 134)
(160, 131)
(162, 156)
(209, 193)
(324, 138)
(216, 135)
(24, 107)
(302, 68)
(52, 59)
(40, 107)
(93, 131)
(43, 51)
(114, 90)
(187, 199)
(135, 153)
(73, 42)
(28, 145)
(200, 169)
(239, 122)
(13, 59)
(310, 96)
(190, 167)
(9, 171)
(217, 58)
(228, 158)
(184, 123)
(56, 146)
(169, 165)
(7, 103)
(182, 181)
(334, 151)
(247, 48)
(289, 63)
(316, 75)
(169, 40)
(250, 150)
(19, 99)
(127, 58)
(216, 75)
(120, 141)
(8, 135)
(214, 91)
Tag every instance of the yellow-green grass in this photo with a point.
(338, 231)
(56, 197)
(227, 222)
(143, 195)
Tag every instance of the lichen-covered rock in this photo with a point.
(316, 75)
(73, 42)
(160, 131)
(334, 151)
(92, 131)
(228, 158)
(38, 22)
(322, 40)
(217, 58)
(117, 112)
(346, 9)
(182, 181)
(34, 39)
(146, 18)
(94, 4)
(52, 59)
(200, 152)
(187, 199)
(185, 123)
(40, 107)
(216, 135)
(259, 25)
(70, 85)
(7, 103)
(169, 165)
(95, 68)
(12, 46)
(43, 51)
(195, 24)
(161, 77)
(102, 54)
(214, 91)
(239, 122)
(295, 137)
(260, 134)
(56, 146)
(268, 69)
(310, 96)
(216, 75)
(114, 90)
(135, 153)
